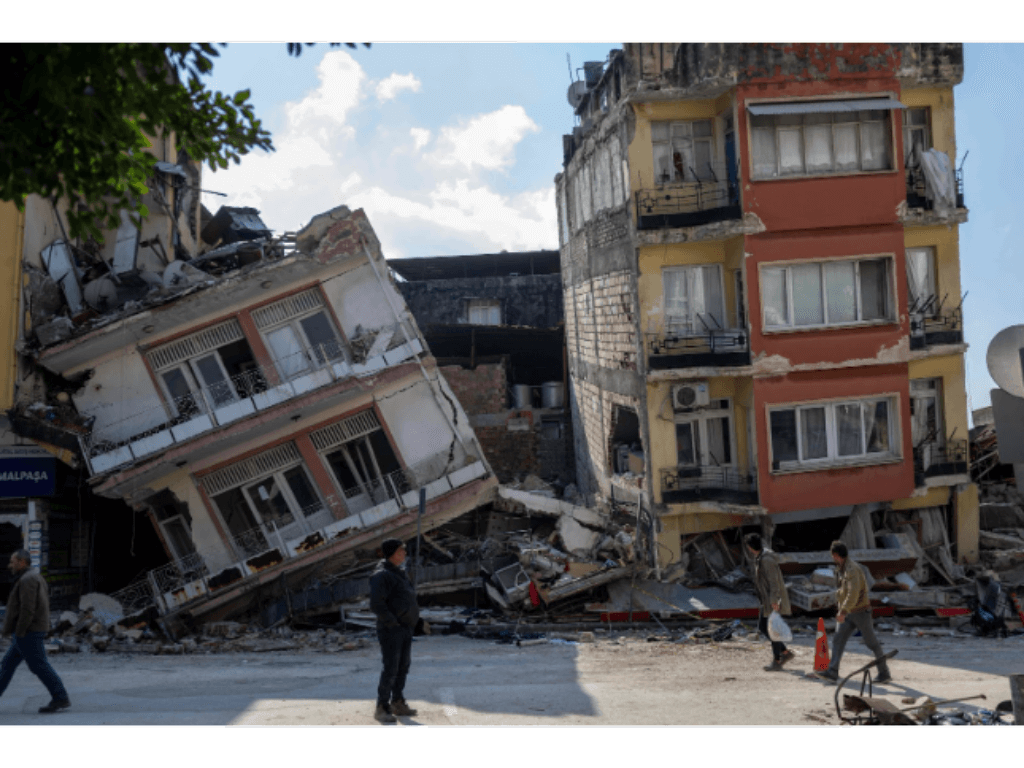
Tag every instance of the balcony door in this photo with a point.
(926, 424)
(694, 300)
(704, 439)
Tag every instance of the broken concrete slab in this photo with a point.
(553, 507)
(658, 598)
(103, 607)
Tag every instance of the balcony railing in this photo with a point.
(940, 459)
(708, 483)
(930, 327)
(916, 195)
(684, 348)
(714, 197)
(239, 396)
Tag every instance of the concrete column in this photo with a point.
(967, 523)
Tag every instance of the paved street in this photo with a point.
(459, 681)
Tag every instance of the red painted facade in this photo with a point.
(827, 217)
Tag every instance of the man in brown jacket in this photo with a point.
(28, 618)
(854, 613)
(771, 589)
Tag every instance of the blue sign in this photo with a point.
(27, 477)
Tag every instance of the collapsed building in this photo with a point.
(495, 324)
(269, 403)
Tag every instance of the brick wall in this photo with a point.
(602, 316)
(482, 390)
(511, 454)
(594, 412)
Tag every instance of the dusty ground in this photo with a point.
(617, 680)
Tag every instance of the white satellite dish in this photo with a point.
(101, 294)
(1004, 359)
(576, 93)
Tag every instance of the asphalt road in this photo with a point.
(456, 681)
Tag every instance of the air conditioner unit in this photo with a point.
(693, 394)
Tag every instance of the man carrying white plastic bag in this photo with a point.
(774, 598)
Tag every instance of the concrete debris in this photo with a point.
(102, 607)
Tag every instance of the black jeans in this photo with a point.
(777, 648)
(396, 653)
(30, 650)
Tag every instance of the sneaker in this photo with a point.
(787, 655)
(401, 707)
(383, 716)
(827, 675)
(55, 706)
(775, 666)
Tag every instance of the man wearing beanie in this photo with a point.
(393, 601)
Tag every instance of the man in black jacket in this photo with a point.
(393, 600)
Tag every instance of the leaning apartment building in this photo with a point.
(759, 249)
(269, 404)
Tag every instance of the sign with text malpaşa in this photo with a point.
(27, 476)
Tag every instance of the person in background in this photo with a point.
(771, 589)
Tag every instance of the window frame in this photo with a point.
(892, 317)
(908, 128)
(490, 305)
(683, 268)
(701, 417)
(832, 459)
(308, 349)
(932, 253)
(851, 118)
(278, 475)
(709, 140)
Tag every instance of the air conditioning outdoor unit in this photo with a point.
(693, 394)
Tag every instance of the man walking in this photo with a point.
(854, 613)
(393, 600)
(771, 589)
(28, 618)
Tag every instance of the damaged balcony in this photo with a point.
(686, 348)
(714, 196)
(940, 463)
(680, 485)
(919, 195)
(265, 546)
(218, 403)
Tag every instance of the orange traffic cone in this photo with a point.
(821, 658)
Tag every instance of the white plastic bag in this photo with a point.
(778, 630)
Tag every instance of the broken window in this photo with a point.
(299, 333)
(820, 143)
(483, 312)
(362, 460)
(917, 135)
(206, 370)
(694, 302)
(832, 432)
(683, 151)
(271, 492)
(827, 293)
(175, 522)
(704, 438)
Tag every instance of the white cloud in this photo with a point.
(390, 87)
(341, 80)
(420, 138)
(488, 141)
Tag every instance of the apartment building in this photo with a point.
(760, 261)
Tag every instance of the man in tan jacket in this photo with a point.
(771, 590)
(854, 613)
(28, 619)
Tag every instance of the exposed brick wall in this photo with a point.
(594, 412)
(602, 315)
(482, 390)
(511, 454)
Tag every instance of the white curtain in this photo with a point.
(848, 426)
(773, 288)
(807, 300)
(287, 351)
(876, 426)
(841, 292)
(920, 276)
(813, 434)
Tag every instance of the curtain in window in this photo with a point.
(874, 155)
(876, 426)
(818, 145)
(791, 160)
(765, 166)
(874, 290)
(807, 306)
(841, 292)
(848, 427)
(705, 288)
(677, 308)
(773, 288)
(815, 438)
(845, 138)
(719, 451)
(920, 276)
(288, 354)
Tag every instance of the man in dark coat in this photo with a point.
(771, 590)
(393, 600)
(28, 619)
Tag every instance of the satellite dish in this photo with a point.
(101, 294)
(576, 92)
(1004, 359)
(179, 274)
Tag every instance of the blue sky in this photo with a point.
(453, 148)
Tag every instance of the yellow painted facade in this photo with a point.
(12, 233)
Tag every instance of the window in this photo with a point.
(682, 151)
(820, 143)
(817, 294)
(921, 289)
(917, 135)
(210, 368)
(833, 433)
(704, 438)
(694, 302)
(926, 412)
(299, 333)
(483, 312)
(285, 500)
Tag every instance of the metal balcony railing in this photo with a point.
(916, 196)
(940, 459)
(680, 347)
(930, 326)
(708, 483)
(206, 407)
(714, 196)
